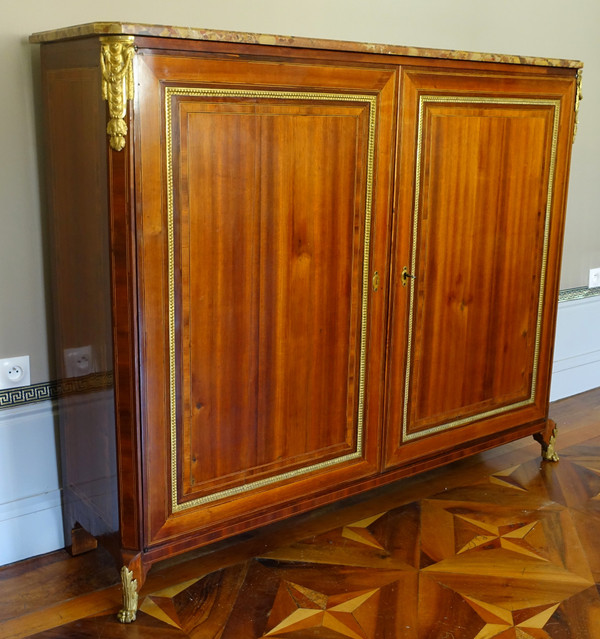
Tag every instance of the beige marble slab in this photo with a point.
(187, 33)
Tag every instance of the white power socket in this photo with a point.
(14, 372)
(594, 278)
(79, 361)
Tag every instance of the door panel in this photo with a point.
(269, 303)
(480, 231)
(257, 252)
(482, 201)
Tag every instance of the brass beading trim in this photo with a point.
(371, 102)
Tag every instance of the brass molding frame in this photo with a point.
(371, 102)
(116, 60)
(423, 100)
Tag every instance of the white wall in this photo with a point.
(548, 28)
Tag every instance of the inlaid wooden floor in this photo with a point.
(501, 545)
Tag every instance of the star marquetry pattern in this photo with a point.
(595, 471)
(510, 556)
(160, 604)
(509, 537)
(297, 608)
(502, 623)
(505, 478)
(358, 532)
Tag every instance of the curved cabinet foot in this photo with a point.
(130, 596)
(548, 443)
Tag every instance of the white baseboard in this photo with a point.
(577, 348)
(30, 509)
(30, 526)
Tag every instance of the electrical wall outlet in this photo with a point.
(594, 278)
(79, 361)
(14, 372)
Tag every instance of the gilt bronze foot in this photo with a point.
(548, 447)
(130, 596)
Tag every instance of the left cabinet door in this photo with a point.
(263, 196)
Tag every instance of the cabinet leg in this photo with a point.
(81, 541)
(548, 442)
(130, 596)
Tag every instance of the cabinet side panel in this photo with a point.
(79, 248)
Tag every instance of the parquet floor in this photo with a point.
(501, 545)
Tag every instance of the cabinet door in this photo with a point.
(264, 191)
(483, 166)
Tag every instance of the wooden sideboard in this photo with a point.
(306, 268)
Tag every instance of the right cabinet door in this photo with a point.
(481, 188)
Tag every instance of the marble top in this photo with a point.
(188, 33)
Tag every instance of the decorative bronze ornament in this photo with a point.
(116, 60)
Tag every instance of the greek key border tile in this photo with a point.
(44, 391)
(579, 293)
